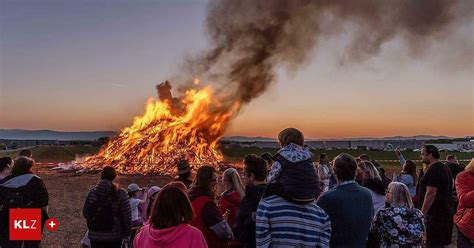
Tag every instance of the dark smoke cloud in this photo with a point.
(250, 39)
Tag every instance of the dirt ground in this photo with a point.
(67, 192)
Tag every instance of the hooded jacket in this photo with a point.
(33, 190)
(293, 175)
(121, 210)
(294, 154)
(182, 235)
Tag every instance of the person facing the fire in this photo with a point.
(107, 212)
(168, 225)
(208, 218)
(136, 199)
(22, 189)
(184, 172)
(6, 164)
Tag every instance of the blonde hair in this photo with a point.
(369, 169)
(400, 195)
(232, 175)
(290, 135)
(470, 166)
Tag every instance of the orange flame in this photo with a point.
(162, 136)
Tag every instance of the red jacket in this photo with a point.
(464, 217)
(230, 201)
(198, 222)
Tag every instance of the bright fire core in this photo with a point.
(170, 130)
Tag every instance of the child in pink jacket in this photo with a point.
(168, 224)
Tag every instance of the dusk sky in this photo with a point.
(91, 65)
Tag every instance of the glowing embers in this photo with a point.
(170, 129)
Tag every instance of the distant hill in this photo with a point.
(246, 139)
(22, 134)
(417, 137)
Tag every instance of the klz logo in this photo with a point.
(25, 224)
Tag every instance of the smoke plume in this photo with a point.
(251, 38)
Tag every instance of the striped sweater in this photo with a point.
(121, 210)
(285, 224)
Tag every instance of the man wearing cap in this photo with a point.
(184, 173)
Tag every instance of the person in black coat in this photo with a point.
(255, 169)
(34, 191)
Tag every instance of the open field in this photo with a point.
(68, 190)
(57, 154)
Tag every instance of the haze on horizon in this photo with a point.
(86, 66)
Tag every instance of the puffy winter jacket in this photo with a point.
(121, 210)
(464, 217)
(293, 175)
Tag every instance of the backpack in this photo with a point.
(298, 182)
(100, 217)
(11, 196)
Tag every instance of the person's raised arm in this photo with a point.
(400, 156)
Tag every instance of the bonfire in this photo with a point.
(171, 129)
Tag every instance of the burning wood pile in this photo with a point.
(171, 129)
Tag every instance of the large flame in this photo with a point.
(166, 134)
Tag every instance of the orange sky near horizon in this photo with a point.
(91, 66)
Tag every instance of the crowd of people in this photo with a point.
(280, 200)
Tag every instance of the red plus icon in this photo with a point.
(52, 224)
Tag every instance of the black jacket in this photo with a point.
(36, 192)
(122, 226)
(244, 227)
(375, 185)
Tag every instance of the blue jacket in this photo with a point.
(351, 211)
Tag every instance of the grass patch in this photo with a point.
(236, 154)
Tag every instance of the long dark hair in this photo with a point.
(171, 207)
(203, 177)
(409, 168)
(109, 173)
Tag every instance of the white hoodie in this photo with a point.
(293, 153)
